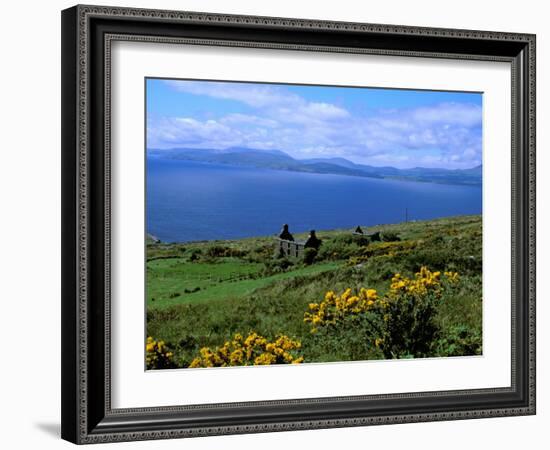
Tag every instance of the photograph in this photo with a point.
(280, 220)
(296, 224)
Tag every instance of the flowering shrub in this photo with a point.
(399, 324)
(452, 276)
(409, 327)
(334, 309)
(422, 283)
(252, 350)
(158, 355)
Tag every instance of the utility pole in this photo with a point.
(406, 215)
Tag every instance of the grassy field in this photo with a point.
(201, 294)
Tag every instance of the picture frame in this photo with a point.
(87, 365)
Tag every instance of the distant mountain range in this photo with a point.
(278, 160)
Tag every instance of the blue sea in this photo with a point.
(190, 201)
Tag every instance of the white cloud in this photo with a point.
(445, 134)
(451, 129)
(273, 101)
(255, 95)
(189, 132)
(463, 114)
(324, 111)
(238, 118)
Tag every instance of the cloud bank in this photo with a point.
(439, 135)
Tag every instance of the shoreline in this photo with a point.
(401, 178)
(303, 234)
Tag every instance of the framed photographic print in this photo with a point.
(281, 224)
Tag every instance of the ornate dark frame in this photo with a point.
(87, 32)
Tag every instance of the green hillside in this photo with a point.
(201, 294)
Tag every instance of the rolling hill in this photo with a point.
(278, 160)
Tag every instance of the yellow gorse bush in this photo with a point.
(158, 356)
(336, 307)
(452, 276)
(397, 324)
(423, 282)
(252, 350)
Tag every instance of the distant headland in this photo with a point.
(279, 160)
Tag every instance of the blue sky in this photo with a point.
(400, 128)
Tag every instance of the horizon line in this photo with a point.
(327, 158)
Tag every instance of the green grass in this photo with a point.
(205, 292)
(168, 280)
